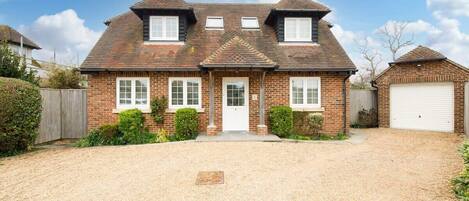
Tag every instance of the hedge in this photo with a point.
(187, 123)
(281, 120)
(20, 115)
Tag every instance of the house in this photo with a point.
(22, 46)
(422, 90)
(231, 62)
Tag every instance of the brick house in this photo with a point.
(422, 90)
(231, 62)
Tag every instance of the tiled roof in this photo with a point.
(300, 4)
(9, 34)
(163, 4)
(238, 52)
(122, 46)
(420, 53)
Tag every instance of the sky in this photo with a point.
(71, 28)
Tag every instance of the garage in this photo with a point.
(422, 90)
(422, 106)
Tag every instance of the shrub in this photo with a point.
(131, 124)
(187, 124)
(281, 120)
(94, 138)
(158, 108)
(104, 135)
(315, 121)
(64, 79)
(13, 66)
(367, 118)
(461, 183)
(20, 115)
(162, 136)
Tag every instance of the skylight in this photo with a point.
(249, 23)
(214, 22)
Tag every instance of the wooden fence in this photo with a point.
(362, 99)
(63, 115)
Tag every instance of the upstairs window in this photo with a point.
(214, 22)
(298, 29)
(249, 23)
(164, 28)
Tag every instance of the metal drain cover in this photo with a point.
(210, 178)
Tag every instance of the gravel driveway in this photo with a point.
(389, 165)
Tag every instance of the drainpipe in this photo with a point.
(344, 96)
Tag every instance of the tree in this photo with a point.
(64, 79)
(394, 37)
(13, 66)
(373, 59)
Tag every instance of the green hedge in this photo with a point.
(131, 124)
(186, 123)
(20, 115)
(461, 183)
(281, 120)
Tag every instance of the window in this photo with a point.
(249, 23)
(214, 23)
(133, 93)
(164, 28)
(185, 92)
(298, 29)
(305, 92)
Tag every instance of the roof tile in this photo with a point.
(419, 54)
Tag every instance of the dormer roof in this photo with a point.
(161, 4)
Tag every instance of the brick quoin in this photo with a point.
(422, 72)
(102, 97)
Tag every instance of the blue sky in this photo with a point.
(45, 21)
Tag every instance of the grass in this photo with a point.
(339, 137)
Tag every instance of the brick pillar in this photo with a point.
(262, 130)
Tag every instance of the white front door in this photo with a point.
(236, 104)
(423, 106)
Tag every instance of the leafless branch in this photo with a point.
(395, 37)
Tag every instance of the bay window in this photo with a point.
(185, 92)
(305, 92)
(133, 93)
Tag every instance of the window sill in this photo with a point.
(163, 43)
(299, 109)
(298, 44)
(117, 111)
(173, 110)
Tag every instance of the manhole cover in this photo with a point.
(210, 178)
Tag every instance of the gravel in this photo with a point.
(389, 165)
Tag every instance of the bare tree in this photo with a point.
(394, 37)
(372, 58)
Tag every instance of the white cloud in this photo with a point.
(450, 7)
(64, 32)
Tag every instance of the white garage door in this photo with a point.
(427, 106)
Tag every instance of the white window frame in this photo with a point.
(214, 27)
(305, 93)
(164, 36)
(249, 18)
(133, 94)
(184, 92)
(297, 27)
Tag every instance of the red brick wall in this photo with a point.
(102, 97)
(435, 71)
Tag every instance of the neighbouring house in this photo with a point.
(22, 46)
(422, 90)
(231, 62)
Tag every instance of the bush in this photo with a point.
(367, 118)
(20, 115)
(64, 79)
(13, 66)
(162, 136)
(315, 121)
(131, 124)
(187, 124)
(281, 120)
(104, 135)
(158, 108)
(461, 183)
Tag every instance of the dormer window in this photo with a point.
(249, 23)
(164, 28)
(214, 22)
(298, 29)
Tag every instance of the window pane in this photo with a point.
(290, 29)
(304, 29)
(157, 27)
(250, 22)
(125, 92)
(141, 89)
(297, 90)
(214, 22)
(192, 93)
(177, 92)
(172, 28)
(313, 96)
(235, 94)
